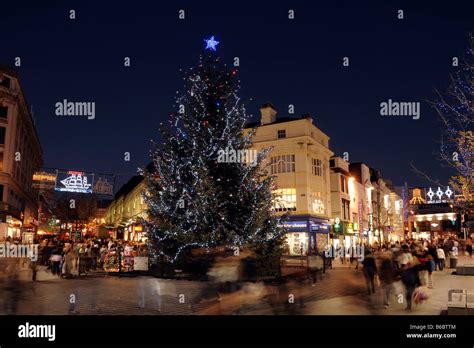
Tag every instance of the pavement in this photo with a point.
(341, 291)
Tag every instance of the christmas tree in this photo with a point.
(209, 188)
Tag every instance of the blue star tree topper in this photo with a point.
(211, 43)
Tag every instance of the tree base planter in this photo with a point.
(465, 270)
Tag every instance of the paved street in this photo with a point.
(342, 291)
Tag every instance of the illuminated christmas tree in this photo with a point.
(456, 111)
(207, 189)
(455, 108)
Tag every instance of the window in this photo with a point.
(344, 184)
(317, 167)
(285, 200)
(282, 164)
(2, 135)
(281, 133)
(345, 209)
(318, 205)
(3, 111)
(1, 161)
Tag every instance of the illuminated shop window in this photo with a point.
(297, 243)
(285, 200)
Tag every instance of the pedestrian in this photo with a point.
(370, 270)
(469, 249)
(33, 269)
(55, 261)
(82, 261)
(68, 264)
(409, 274)
(387, 276)
(441, 257)
(313, 266)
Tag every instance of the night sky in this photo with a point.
(282, 61)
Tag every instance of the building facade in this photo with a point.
(431, 214)
(124, 214)
(20, 156)
(299, 161)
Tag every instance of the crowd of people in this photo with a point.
(64, 256)
(412, 262)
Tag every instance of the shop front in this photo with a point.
(305, 234)
(11, 228)
(433, 226)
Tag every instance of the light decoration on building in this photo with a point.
(439, 196)
(417, 198)
(75, 182)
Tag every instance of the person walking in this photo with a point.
(441, 257)
(68, 264)
(387, 274)
(409, 274)
(55, 260)
(469, 249)
(370, 270)
(313, 267)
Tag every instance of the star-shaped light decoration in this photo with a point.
(430, 194)
(448, 192)
(211, 43)
(439, 193)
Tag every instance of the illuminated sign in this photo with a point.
(72, 181)
(296, 226)
(439, 196)
(44, 180)
(321, 228)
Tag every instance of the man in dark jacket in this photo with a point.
(370, 269)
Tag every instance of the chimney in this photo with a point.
(268, 113)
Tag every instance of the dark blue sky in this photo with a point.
(286, 62)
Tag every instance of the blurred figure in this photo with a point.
(409, 274)
(55, 260)
(469, 248)
(149, 285)
(387, 274)
(34, 269)
(314, 265)
(370, 270)
(12, 286)
(68, 259)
